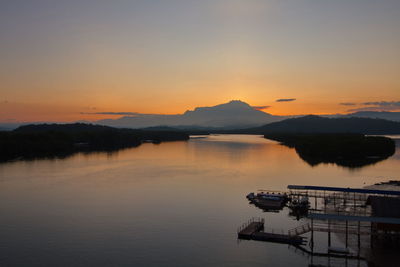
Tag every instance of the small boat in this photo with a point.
(304, 201)
(268, 201)
(251, 196)
(264, 196)
(299, 204)
(267, 196)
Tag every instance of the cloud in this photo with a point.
(347, 104)
(260, 107)
(378, 106)
(285, 100)
(383, 104)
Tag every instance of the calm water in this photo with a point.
(173, 204)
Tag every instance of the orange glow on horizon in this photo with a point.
(166, 58)
(34, 112)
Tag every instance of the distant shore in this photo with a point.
(348, 150)
(61, 140)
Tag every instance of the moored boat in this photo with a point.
(268, 200)
(301, 204)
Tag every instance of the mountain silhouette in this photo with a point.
(232, 115)
(235, 114)
(386, 115)
(317, 124)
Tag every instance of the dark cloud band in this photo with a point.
(260, 107)
(378, 106)
(347, 104)
(285, 99)
(383, 103)
(375, 108)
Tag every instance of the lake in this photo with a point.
(172, 204)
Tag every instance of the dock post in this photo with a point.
(358, 235)
(347, 234)
(371, 241)
(312, 235)
(315, 202)
(329, 233)
(334, 200)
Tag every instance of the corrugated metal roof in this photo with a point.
(342, 189)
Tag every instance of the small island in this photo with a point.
(60, 140)
(347, 150)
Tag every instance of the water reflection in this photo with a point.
(155, 205)
(343, 150)
(348, 163)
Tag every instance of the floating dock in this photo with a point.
(250, 229)
(253, 230)
(279, 238)
(347, 211)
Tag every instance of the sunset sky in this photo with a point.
(62, 59)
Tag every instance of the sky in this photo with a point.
(63, 60)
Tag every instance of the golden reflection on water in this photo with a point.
(102, 203)
(248, 159)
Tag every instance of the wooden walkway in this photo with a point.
(279, 238)
(253, 230)
(299, 230)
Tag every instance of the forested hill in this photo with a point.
(82, 131)
(71, 127)
(349, 150)
(317, 124)
(49, 140)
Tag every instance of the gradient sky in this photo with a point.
(59, 59)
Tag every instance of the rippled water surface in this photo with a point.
(173, 204)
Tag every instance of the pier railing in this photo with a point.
(247, 223)
(343, 211)
(274, 231)
(350, 227)
(299, 230)
(330, 196)
(342, 228)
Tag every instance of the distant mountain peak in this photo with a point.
(233, 105)
(233, 114)
(310, 116)
(237, 102)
